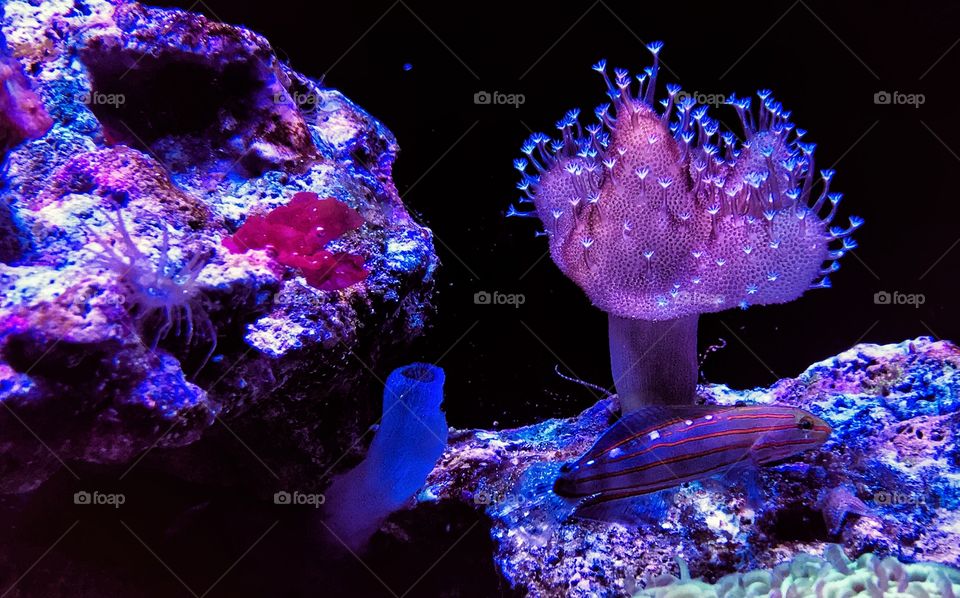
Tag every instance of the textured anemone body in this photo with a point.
(656, 214)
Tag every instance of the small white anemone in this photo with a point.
(160, 296)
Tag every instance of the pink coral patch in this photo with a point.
(296, 234)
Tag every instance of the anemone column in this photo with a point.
(653, 363)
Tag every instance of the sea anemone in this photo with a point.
(659, 216)
(161, 297)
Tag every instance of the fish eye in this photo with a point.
(806, 423)
(565, 468)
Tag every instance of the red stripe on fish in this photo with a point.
(658, 447)
(629, 491)
(668, 461)
(715, 412)
(702, 437)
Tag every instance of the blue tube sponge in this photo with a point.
(412, 436)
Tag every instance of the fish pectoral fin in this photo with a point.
(747, 476)
(632, 510)
(744, 475)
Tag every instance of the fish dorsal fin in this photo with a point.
(645, 420)
(664, 413)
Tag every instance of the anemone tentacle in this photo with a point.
(162, 299)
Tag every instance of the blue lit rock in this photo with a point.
(894, 410)
(189, 125)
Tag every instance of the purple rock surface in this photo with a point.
(894, 410)
(182, 127)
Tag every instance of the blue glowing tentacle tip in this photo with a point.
(513, 212)
(823, 283)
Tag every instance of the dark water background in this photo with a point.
(896, 164)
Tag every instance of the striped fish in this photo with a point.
(655, 448)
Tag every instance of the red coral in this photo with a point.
(22, 114)
(297, 233)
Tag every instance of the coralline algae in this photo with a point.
(185, 127)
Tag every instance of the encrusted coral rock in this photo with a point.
(209, 91)
(893, 410)
(22, 115)
(106, 360)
